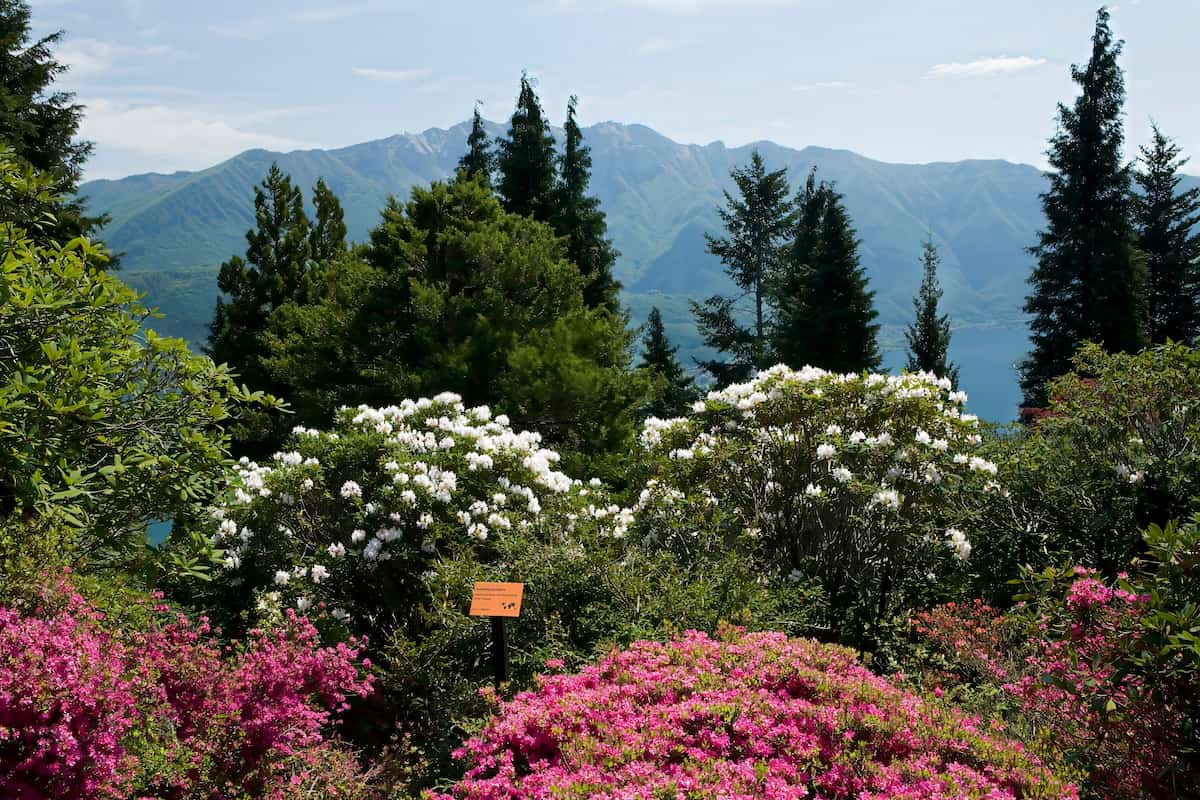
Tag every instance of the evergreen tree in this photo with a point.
(1087, 285)
(526, 159)
(278, 259)
(929, 335)
(38, 123)
(757, 222)
(1165, 219)
(328, 235)
(676, 388)
(825, 313)
(580, 220)
(479, 162)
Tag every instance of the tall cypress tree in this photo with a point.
(1165, 219)
(526, 159)
(757, 222)
(929, 334)
(580, 221)
(1088, 281)
(328, 235)
(479, 162)
(39, 123)
(278, 258)
(675, 389)
(825, 313)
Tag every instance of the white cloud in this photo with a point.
(808, 87)
(651, 47)
(984, 66)
(256, 27)
(167, 138)
(697, 6)
(394, 75)
(88, 57)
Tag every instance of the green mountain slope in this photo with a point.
(660, 197)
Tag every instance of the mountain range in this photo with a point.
(660, 197)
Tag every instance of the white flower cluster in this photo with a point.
(795, 445)
(442, 472)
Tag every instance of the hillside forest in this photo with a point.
(774, 570)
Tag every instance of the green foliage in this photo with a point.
(104, 425)
(479, 162)
(756, 223)
(452, 293)
(1088, 284)
(824, 314)
(580, 221)
(283, 251)
(862, 484)
(38, 123)
(526, 159)
(1166, 218)
(1117, 450)
(674, 389)
(929, 335)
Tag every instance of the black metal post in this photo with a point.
(499, 651)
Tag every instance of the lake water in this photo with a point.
(987, 359)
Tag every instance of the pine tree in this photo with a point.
(676, 389)
(278, 258)
(1165, 219)
(39, 123)
(1087, 285)
(929, 335)
(328, 235)
(479, 162)
(581, 222)
(526, 159)
(757, 222)
(824, 312)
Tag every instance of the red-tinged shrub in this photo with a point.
(90, 710)
(1064, 661)
(743, 716)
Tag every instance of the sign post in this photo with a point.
(498, 601)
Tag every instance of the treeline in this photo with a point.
(1115, 266)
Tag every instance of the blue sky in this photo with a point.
(183, 84)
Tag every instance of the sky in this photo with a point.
(181, 85)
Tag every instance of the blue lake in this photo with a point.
(987, 359)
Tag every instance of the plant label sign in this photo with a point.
(497, 599)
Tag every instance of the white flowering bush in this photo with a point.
(866, 483)
(359, 517)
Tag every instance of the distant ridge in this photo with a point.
(660, 197)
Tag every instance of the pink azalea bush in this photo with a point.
(1064, 663)
(88, 709)
(754, 715)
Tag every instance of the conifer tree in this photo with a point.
(581, 222)
(1165, 219)
(328, 236)
(526, 159)
(479, 162)
(40, 123)
(1088, 281)
(929, 334)
(278, 257)
(757, 222)
(825, 313)
(676, 388)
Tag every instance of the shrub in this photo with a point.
(743, 716)
(865, 483)
(88, 709)
(1117, 450)
(104, 425)
(1107, 672)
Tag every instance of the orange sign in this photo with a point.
(497, 599)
